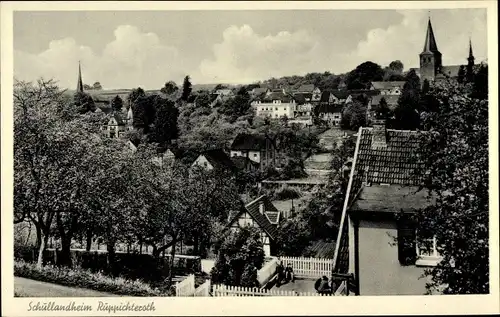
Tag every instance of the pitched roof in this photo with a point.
(301, 98)
(262, 220)
(259, 90)
(306, 88)
(340, 94)
(392, 100)
(396, 164)
(430, 41)
(245, 141)
(387, 84)
(277, 96)
(218, 159)
(329, 108)
(380, 198)
(118, 118)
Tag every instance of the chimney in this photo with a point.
(261, 207)
(379, 134)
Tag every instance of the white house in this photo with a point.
(275, 105)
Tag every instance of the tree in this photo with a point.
(84, 102)
(134, 95)
(407, 112)
(294, 237)
(461, 74)
(363, 75)
(117, 103)
(396, 66)
(165, 124)
(354, 116)
(53, 149)
(382, 109)
(97, 86)
(186, 89)
(455, 153)
(169, 88)
(240, 254)
(480, 84)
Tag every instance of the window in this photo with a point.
(276, 108)
(205, 164)
(255, 155)
(427, 253)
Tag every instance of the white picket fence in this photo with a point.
(309, 267)
(186, 287)
(231, 291)
(203, 289)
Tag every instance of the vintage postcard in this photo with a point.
(294, 158)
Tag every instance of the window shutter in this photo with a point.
(407, 252)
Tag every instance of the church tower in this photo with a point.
(79, 85)
(430, 58)
(470, 64)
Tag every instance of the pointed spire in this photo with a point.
(79, 85)
(430, 41)
(470, 48)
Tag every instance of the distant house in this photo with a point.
(275, 105)
(388, 87)
(330, 113)
(263, 215)
(257, 148)
(115, 127)
(224, 92)
(167, 156)
(385, 179)
(313, 93)
(214, 159)
(374, 102)
(259, 91)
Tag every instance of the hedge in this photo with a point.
(130, 265)
(78, 277)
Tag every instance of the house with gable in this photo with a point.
(311, 92)
(384, 181)
(261, 214)
(388, 87)
(330, 113)
(115, 126)
(258, 148)
(374, 102)
(215, 159)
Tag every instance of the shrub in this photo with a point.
(285, 193)
(79, 277)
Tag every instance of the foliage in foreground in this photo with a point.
(456, 157)
(78, 277)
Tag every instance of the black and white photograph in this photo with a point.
(250, 153)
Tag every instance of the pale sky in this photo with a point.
(127, 49)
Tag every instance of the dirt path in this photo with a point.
(30, 288)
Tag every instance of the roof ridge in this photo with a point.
(255, 200)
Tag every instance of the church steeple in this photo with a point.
(430, 58)
(471, 55)
(430, 41)
(79, 85)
